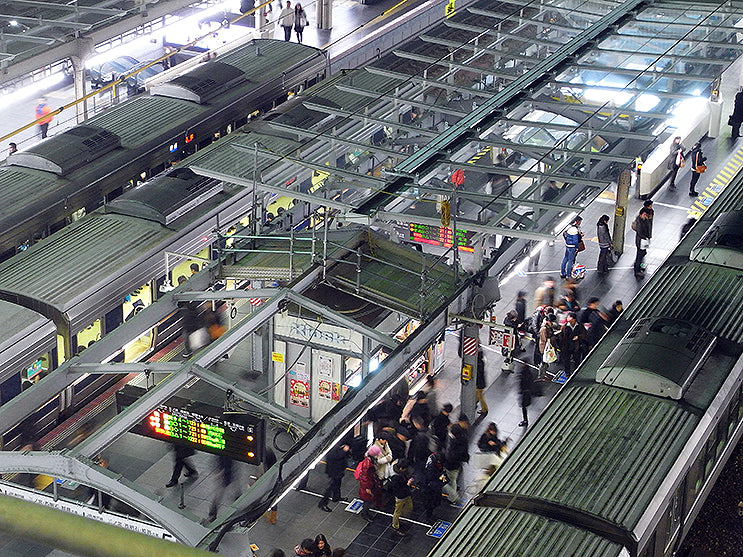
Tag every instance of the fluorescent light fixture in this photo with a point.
(13, 23)
(603, 96)
(646, 102)
(520, 267)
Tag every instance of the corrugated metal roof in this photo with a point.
(596, 449)
(275, 56)
(143, 118)
(81, 254)
(716, 307)
(17, 322)
(518, 534)
(23, 187)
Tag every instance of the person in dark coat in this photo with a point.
(480, 384)
(420, 409)
(225, 469)
(421, 446)
(440, 424)
(643, 232)
(572, 340)
(396, 438)
(526, 386)
(433, 482)
(399, 487)
(615, 311)
(386, 413)
(456, 454)
(489, 441)
(605, 244)
(696, 158)
(737, 116)
(591, 316)
(336, 462)
(181, 454)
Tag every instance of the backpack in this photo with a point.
(360, 468)
(534, 321)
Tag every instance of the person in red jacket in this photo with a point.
(370, 489)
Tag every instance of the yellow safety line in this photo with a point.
(716, 186)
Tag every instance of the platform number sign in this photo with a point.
(450, 10)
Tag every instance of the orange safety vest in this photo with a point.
(42, 114)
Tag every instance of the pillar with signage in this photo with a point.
(620, 211)
(470, 346)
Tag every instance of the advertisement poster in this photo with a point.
(325, 366)
(299, 387)
(336, 391)
(324, 389)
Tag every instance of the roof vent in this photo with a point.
(205, 82)
(657, 356)
(166, 197)
(67, 151)
(722, 244)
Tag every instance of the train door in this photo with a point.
(133, 304)
(88, 336)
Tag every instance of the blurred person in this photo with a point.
(434, 478)
(675, 160)
(545, 294)
(181, 455)
(43, 116)
(336, 462)
(455, 455)
(526, 389)
(226, 472)
(547, 332)
(572, 339)
(735, 119)
(480, 384)
(615, 311)
(431, 397)
(440, 424)
(399, 487)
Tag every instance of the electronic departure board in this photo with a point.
(206, 428)
(439, 236)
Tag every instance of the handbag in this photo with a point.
(731, 122)
(644, 243)
(581, 246)
(550, 354)
(701, 168)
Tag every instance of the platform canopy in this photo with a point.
(516, 115)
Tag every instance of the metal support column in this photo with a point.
(470, 346)
(620, 211)
(78, 72)
(325, 14)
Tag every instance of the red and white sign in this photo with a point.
(502, 339)
(469, 346)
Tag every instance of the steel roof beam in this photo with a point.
(50, 22)
(531, 79)
(429, 82)
(640, 73)
(451, 64)
(594, 110)
(525, 147)
(247, 183)
(69, 7)
(477, 196)
(505, 171)
(496, 15)
(29, 39)
(568, 127)
(102, 369)
(316, 135)
(501, 54)
(380, 121)
(628, 34)
(404, 100)
(638, 90)
(495, 33)
(662, 55)
(465, 225)
(315, 166)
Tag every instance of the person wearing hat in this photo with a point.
(572, 235)
(370, 488)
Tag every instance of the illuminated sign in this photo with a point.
(189, 138)
(439, 236)
(207, 428)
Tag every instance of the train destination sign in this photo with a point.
(439, 236)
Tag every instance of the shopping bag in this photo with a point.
(550, 354)
(579, 271)
(701, 168)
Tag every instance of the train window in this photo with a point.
(740, 403)
(711, 453)
(722, 432)
(694, 481)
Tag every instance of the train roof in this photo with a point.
(22, 328)
(519, 533)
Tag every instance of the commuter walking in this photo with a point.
(181, 455)
(441, 422)
(545, 294)
(526, 389)
(697, 167)
(433, 482)
(399, 487)
(457, 453)
(605, 244)
(736, 117)
(286, 20)
(226, 471)
(547, 333)
(489, 441)
(300, 21)
(43, 116)
(573, 236)
(335, 466)
(643, 232)
(480, 384)
(675, 160)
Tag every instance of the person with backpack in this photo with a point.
(370, 488)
